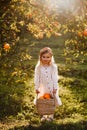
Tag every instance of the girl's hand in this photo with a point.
(37, 91)
(54, 91)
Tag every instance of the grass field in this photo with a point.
(72, 115)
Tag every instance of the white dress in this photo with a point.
(46, 79)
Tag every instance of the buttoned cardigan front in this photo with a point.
(46, 78)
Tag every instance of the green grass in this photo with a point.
(72, 115)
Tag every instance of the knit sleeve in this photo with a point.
(37, 77)
(55, 77)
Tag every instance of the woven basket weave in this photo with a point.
(45, 106)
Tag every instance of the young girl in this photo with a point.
(46, 78)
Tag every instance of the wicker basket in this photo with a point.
(45, 106)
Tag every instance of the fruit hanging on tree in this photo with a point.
(6, 46)
(85, 32)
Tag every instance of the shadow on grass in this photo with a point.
(53, 126)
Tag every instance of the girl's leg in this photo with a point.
(44, 118)
(50, 117)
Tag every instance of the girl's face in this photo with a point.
(46, 59)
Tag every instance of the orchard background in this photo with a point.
(26, 26)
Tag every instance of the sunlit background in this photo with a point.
(75, 7)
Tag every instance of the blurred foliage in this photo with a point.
(76, 43)
(13, 76)
(21, 15)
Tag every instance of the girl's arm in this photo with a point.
(37, 79)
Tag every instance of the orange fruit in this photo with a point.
(6, 46)
(47, 96)
(85, 32)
